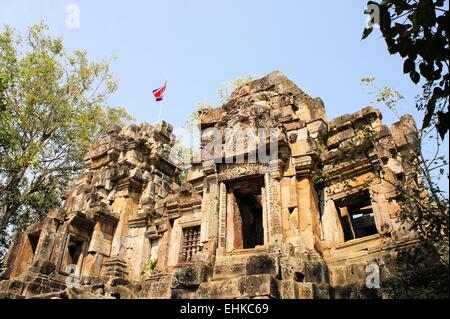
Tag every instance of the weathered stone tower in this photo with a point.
(304, 223)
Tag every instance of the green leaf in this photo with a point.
(366, 33)
(443, 123)
(426, 14)
(409, 66)
(392, 46)
(415, 77)
(438, 92)
(427, 71)
(431, 105)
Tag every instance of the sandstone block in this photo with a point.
(189, 275)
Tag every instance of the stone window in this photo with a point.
(34, 239)
(73, 255)
(357, 216)
(190, 245)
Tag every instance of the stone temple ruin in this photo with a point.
(231, 230)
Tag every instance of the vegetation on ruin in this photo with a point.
(53, 105)
(223, 93)
(149, 268)
(225, 90)
(417, 30)
(187, 153)
(193, 121)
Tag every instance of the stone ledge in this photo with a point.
(244, 286)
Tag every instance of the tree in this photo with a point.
(186, 153)
(224, 92)
(225, 89)
(424, 204)
(418, 30)
(53, 106)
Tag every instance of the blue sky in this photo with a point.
(199, 44)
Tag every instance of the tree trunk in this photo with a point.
(6, 212)
(11, 201)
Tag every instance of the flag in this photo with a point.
(159, 93)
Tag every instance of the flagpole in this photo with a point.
(161, 104)
(160, 109)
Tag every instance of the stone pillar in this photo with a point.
(175, 243)
(138, 248)
(230, 227)
(222, 215)
(275, 231)
(210, 171)
(204, 230)
(308, 213)
(122, 206)
(380, 207)
(47, 239)
(213, 210)
(289, 206)
(331, 224)
(265, 215)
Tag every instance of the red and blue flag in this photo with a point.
(159, 93)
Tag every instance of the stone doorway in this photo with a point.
(245, 227)
(72, 260)
(251, 215)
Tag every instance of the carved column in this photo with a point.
(265, 215)
(230, 234)
(210, 171)
(222, 215)
(271, 180)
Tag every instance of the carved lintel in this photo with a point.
(235, 171)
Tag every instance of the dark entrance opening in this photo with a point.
(34, 239)
(72, 260)
(249, 212)
(74, 253)
(75, 249)
(252, 221)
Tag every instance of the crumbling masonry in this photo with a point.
(308, 223)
